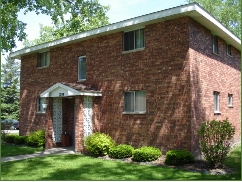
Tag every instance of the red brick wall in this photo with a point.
(209, 73)
(162, 69)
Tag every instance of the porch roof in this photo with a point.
(70, 89)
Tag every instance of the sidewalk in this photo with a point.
(58, 150)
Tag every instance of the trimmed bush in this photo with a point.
(98, 143)
(215, 139)
(18, 140)
(9, 138)
(121, 151)
(36, 139)
(178, 157)
(146, 153)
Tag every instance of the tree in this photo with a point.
(10, 89)
(69, 27)
(12, 29)
(228, 12)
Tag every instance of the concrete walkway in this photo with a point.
(58, 150)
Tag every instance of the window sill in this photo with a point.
(42, 67)
(230, 106)
(40, 112)
(217, 112)
(81, 80)
(140, 112)
(134, 50)
(215, 53)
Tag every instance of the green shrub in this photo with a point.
(146, 153)
(20, 140)
(178, 157)
(98, 143)
(215, 142)
(121, 151)
(36, 139)
(9, 138)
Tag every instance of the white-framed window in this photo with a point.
(82, 68)
(40, 102)
(230, 100)
(228, 49)
(216, 102)
(44, 59)
(135, 101)
(215, 44)
(133, 40)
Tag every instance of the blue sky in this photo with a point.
(119, 10)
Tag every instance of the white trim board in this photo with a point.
(60, 90)
(192, 10)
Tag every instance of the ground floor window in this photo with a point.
(135, 101)
(230, 100)
(40, 102)
(216, 102)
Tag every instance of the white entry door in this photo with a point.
(87, 115)
(57, 119)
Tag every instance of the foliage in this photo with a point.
(20, 140)
(10, 89)
(75, 167)
(4, 133)
(146, 153)
(215, 141)
(36, 139)
(10, 138)
(121, 151)
(80, 13)
(178, 157)
(228, 12)
(99, 143)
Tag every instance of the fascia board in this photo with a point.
(192, 10)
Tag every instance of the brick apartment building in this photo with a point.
(150, 80)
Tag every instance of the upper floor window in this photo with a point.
(215, 44)
(134, 101)
(40, 107)
(44, 59)
(82, 68)
(216, 102)
(134, 39)
(230, 100)
(228, 49)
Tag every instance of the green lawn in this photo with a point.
(12, 150)
(78, 167)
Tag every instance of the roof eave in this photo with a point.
(192, 10)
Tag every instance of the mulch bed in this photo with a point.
(200, 166)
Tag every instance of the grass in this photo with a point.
(78, 167)
(13, 150)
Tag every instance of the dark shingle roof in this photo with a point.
(80, 87)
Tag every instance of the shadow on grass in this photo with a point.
(76, 167)
(14, 150)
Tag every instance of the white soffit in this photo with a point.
(60, 90)
(192, 10)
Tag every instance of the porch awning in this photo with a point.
(69, 89)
